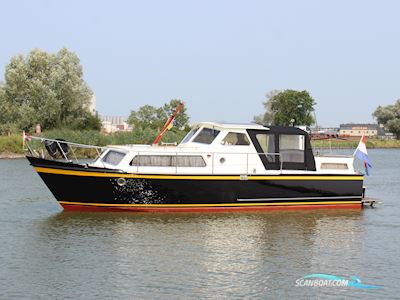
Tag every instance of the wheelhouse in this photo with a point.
(278, 147)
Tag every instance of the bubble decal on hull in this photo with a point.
(135, 191)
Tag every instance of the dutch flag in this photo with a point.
(362, 154)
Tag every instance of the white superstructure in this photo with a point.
(216, 148)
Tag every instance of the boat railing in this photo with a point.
(61, 149)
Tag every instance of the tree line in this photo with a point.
(49, 89)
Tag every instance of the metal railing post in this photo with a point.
(138, 163)
(98, 153)
(73, 153)
(176, 162)
(63, 153)
(247, 163)
(212, 162)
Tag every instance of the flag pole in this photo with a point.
(354, 153)
(362, 154)
(167, 124)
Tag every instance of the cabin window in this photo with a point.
(206, 136)
(113, 157)
(267, 144)
(291, 148)
(189, 135)
(334, 166)
(168, 161)
(235, 138)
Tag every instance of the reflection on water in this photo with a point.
(219, 255)
(47, 253)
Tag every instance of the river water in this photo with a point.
(46, 253)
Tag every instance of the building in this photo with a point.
(111, 124)
(357, 130)
(325, 130)
(92, 105)
(113, 119)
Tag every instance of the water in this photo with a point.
(46, 253)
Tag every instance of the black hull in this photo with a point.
(78, 185)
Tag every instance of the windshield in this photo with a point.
(113, 157)
(206, 136)
(189, 135)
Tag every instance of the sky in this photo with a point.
(220, 57)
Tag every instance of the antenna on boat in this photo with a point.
(168, 125)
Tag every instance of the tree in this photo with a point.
(389, 116)
(44, 88)
(146, 117)
(268, 116)
(181, 119)
(288, 107)
(151, 117)
(85, 121)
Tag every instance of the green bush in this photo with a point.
(88, 137)
(9, 128)
(92, 137)
(85, 122)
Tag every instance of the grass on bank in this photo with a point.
(349, 144)
(11, 144)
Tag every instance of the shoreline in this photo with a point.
(9, 155)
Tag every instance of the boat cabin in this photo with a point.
(215, 148)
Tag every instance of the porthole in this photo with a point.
(121, 181)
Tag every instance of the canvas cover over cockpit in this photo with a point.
(291, 144)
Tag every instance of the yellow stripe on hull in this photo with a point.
(194, 177)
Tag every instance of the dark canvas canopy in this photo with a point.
(298, 158)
